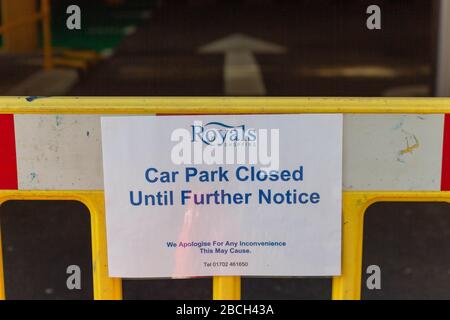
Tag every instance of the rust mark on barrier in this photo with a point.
(410, 149)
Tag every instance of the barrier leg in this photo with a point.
(105, 288)
(348, 285)
(23, 38)
(47, 37)
(226, 288)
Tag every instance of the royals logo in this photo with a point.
(218, 134)
(219, 143)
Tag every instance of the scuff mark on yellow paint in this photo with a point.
(410, 149)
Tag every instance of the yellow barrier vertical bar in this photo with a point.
(348, 285)
(23, 37)
(226, 288)
(105, 288)
(2, 276)
(47, 38)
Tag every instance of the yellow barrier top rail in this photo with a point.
(221, 105)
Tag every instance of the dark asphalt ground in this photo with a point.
(330, 53)
(17, 68)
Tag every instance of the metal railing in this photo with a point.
(346, 286)
(43, 15)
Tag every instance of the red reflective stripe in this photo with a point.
(445, 177)
(8, 164)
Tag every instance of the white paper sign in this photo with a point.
(253, 195)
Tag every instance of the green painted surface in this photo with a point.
(103, 26)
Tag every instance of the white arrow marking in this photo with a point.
(242, 74)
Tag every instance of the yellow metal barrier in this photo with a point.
(227, 288)
(44, 16)
(222, 105)
(346, 286)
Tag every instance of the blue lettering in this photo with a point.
(132, 200)
(148, 176)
